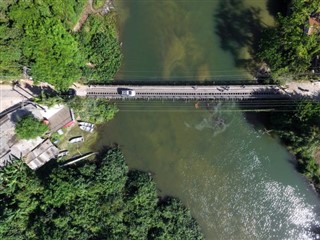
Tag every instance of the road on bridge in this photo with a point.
(232, 92)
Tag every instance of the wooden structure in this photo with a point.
(41, 154)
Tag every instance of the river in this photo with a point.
(238, 182)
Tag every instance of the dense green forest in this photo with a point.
(300, 131)
(95, 200)
(40, 36)
(287, 48)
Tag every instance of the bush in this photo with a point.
(100, 46)
(38, 34)
(286, 48)
(93, 110)
(29, 127)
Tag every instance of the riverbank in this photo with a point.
(292, 51)
(299, 131)
(291, 48)
(126, 204)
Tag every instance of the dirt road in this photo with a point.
(10, 97)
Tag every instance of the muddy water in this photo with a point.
(238, 182)
(190, 40)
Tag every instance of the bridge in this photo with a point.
(231, 92)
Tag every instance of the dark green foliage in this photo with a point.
(35, 34)
(54, 54)
(172, 214)
(99, 54)
(10, 43)
(98, 3)
(101, 48)
(99, 200)
(29, 127)
(287, 49)
(93, 110)
(301, 133)
(38, 35)
(48, 100)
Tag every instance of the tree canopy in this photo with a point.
(286, 48)
(101, 48)
(300, 131)
(39, 35)
(93, 110)
(97, 200)
(28, 127)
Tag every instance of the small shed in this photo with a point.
(41, 154)
(63, 118)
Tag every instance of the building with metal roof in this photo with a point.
(41, 154)
(62, 118)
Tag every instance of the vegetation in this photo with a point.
(301, 133)
(287, 49)
(98, 200)
(29, 127)
(39, 35)
(100, 47)
(93, 110)
(48, 100)
(98, 3)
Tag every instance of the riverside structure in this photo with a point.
(209, 92)
(229, 92)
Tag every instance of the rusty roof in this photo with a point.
(60, 119)
(314, 25)
(41, 154)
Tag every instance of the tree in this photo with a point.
(29, 127)
(48, 100)
(95, 200)
(54, 53)
(99, 43)
(93, 110)
(286, 48)
(300, 131)
(38, 34)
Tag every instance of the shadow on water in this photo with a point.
(281, 120)
(239, 26)
(274, 7)
(173, 82)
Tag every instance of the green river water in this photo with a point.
(238, 182)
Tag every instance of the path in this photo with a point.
(90, 10)
(232, 92)
(10, 96)
(83, 17)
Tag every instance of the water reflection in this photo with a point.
(236, 180)
(239, 27)
(174, 40)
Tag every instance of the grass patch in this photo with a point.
(98, 3)
(76, 149)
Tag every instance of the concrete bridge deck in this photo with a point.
(232, 92)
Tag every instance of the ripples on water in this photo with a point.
(212, 161)
(236, 180)
(236, 197)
